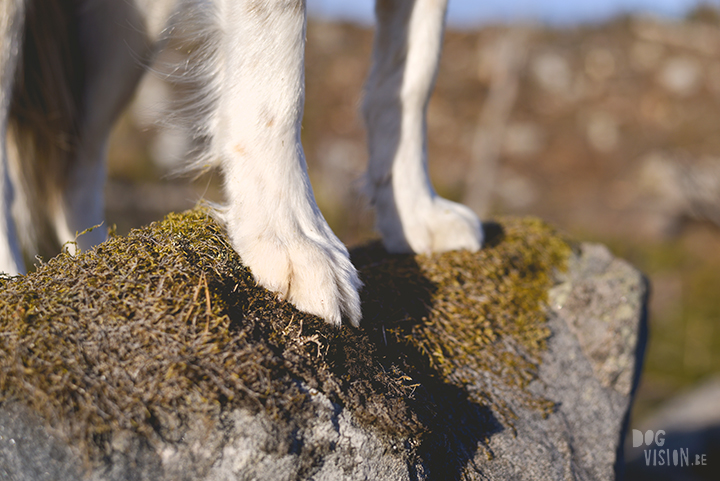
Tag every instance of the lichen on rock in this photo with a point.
(167, 323)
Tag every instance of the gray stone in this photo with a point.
(589, 370)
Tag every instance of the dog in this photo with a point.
(68, 67)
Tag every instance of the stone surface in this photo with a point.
(589, 370)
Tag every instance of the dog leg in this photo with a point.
(272, 218)
(114, 53)
(410, 216)
(11, 26)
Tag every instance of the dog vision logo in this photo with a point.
(657, 455)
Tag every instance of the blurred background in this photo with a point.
(602, 117)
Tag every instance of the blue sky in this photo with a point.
(476, 12)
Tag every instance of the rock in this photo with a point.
(523, 139)
(681, 76)
(600, 64)
(603, 132)
(515, 190)
(646, 56)
(677, 187)
(156, 357)
(590, 371)
(552, 72)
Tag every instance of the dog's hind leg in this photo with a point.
(12, 14)
(114, 51)
(409, 214)
(78, 66)
(272, 218)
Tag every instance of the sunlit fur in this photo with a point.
(249, 57)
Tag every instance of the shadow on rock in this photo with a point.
(447, 427)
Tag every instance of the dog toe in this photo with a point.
(315, 276)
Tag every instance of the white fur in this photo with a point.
(253, 67)
(410, 216)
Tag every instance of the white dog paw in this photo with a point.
(452, 226)
(438, 226)
(314, 274)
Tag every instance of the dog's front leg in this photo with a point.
(272, 218)
(410, 216)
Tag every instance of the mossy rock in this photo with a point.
(168, 322)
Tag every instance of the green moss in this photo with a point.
(168, 320)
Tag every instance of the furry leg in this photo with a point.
(12, 13)
(272, 218)
(410, 216)
(114, 54)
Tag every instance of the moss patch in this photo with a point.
(458, 314)
(168, 320)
